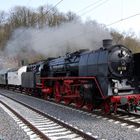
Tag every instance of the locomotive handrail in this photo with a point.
(65, 78)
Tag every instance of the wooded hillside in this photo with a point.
(35, 18)
(46, 16)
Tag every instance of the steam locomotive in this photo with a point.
(107, 78)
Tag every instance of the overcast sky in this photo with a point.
(104, 11)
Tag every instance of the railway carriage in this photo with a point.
(14, 77)
(3, 77)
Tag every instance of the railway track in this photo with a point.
(40, 125)
(129, 120)
(124, 119)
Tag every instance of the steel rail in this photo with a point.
(75, 130)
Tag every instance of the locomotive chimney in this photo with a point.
(107, 43)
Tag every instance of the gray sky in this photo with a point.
(104, 11)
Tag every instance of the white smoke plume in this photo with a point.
(55, 41)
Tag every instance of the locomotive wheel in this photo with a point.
(106, 108)
(45, 96)
(126, 108)
(57, 95)
(57, 99)
(80, 103)
(89, 106)
(67, 101)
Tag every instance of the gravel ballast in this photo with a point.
(89, 123)
(9, 130)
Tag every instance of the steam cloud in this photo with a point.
(55, 41)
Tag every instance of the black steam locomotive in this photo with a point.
(106, 78)
(111, 65)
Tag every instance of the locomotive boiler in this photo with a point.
(93, 78)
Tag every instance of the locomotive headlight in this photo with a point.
(115, 90)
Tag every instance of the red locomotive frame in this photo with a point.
(62, 91)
